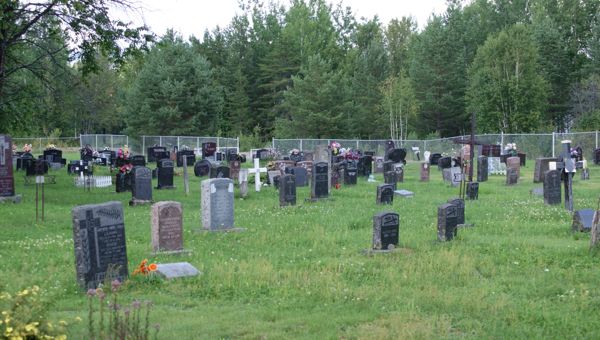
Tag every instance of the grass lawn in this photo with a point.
(299, 272)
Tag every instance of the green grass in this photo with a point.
(299, 272)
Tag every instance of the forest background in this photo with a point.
(302, 69)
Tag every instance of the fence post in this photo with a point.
(553, 142)
(301, 144)
(160, 140)
(273, 143)
(111, 142)
(143, 144)
(218, 143)
(96, 146)
(501, 140)
(596, 139)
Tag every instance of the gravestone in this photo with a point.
(385, 194)
(301, 176)
(165, 174)
(482, 169)
(512, 175)
(189, 154)
(435, 158)
(460, 209)
(202, 168)
(447, 222)
(176, 270)
(541, 166)
(472, 190)
(234, 169)
(323, 154)
(219, 171)
(585, 174)
(350, 175)
(287, 190)
(208, 150)
(243, 180)
(141, 185)
(7, 180)
(452, 176)
(364, 166)
(100, 247)
(514, 163)
(522, 158)
(167, 226)
(597, 156)
(552, 191)
(123, 182)
(308, 166)
(256, 170)
(388, 166)
(217, 204)
(424, 173)
(390, 177)
(396, 155)
(445, 163)
(152, 152)
(138, 160)
(595, 233)
(271, 174)
(399, 169)
(582, 220)
(319, 186)
(379, 167)
(404, 193)
(386, 230)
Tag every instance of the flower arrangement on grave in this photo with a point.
(123, 152)
(335, 148)
(144, 268)
(50, 147)
(350, 154)
(27, 148)
(511, 149)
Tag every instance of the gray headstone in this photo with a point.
(385, 194)
(482, 168)
(512, 175)
(176, 270)
(595, 234)
(320, 182)
(234, 169)
(272, 174)
(301, 176)
(386, 227)
(404, 193)
(141, 185)
(537, 191)
(460, 209)
(552, 192)
(7, 180)
(167, 226)
(542, 165)
(447, 222)
(424, 174)
(378, 165)
(243, 180)
(100, 247)
(217, 203)
(287, 190)
(583, 220)
(514, 163)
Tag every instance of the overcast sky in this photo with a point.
(193, 17)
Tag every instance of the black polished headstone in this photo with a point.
(460, 209)
(219, 171)
(123, 182)
(391, 177)
(350, 175)
(472, 191)
(447, 222)
(208, 149)
(396, 155)
(202, 168)
(138, 160)
(100, 246)
(7, 180)
(385, 194)
(386, 230)
(552, 191)
(365, 165)
(189, 154)
(141, 185)
(445, 162)
(301, 175)
(320, 181)
(151, 153)
(482, 169)
(287, 190)
(435, 158)
(165, 173)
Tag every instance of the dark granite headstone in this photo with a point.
(435, 158)
(189, 154)
(512, 176)
(234, 169)
(209, 149)
(582, 220)
(123, 182)
(552, 191)
(472, 190)
(141, 185)
(287, 190)
(7, 180)
(320, 182)
(138, 160)
(447, 222)
(396, 155)
(165, 172)
(219, 171)
(217, 204)
(541, 166)
(482, 169)
(167, 226)
(365, 165)
(156, 153)
(390, 177)
(445, 162)
(385, 194)
(424, 174)
(522, 158)
(301, 176)
(460, 209)
(350, 175)
(398, 168)
(386, 230)
(597, 156)
(388, 166)
(202, 168)
(100, 247)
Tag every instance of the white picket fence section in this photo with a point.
(93, 181)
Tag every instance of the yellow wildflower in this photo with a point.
(78, 319)
(63, 323)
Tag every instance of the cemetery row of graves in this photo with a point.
(223, 188)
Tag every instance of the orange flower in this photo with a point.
(152, 267)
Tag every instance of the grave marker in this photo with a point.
(287, 190)
(386, 227)
(243, 180)
(217, 204)
(176, 270)
(512, 175)
(424, 173)
(460, 209)
(541, 166)
(482, 169)
(320, 181)
(167, 226)
(7, 180)
(447, 222)
(202, 168)
(385, 194)
(552, 191)
(256, 171)
(582, 220)
(165, 174)
(141, 185)
(301, 175)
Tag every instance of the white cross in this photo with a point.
(256, 171)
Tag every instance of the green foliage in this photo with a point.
(505, 88)
(400, 103)
(173, 93)
(252, 141)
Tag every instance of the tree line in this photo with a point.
(304, 70)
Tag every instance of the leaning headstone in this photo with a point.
(301, 176)
(512, 175)
(243, 180)
(424, 172)
(385, 194)
(582, 220)
(460, 209)
(287, 190)
(167, 226)
(100, 247)
(447, 222)
(141, 186)
(165, 174)
(320, 181)
(176, 270)
(386, 227)
(7, 180)
(482, 169)
(541, 166)
(217, 204)
(552, 192)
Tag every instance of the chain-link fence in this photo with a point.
(534, 145)
(39, 144)
(100, 142)
(188, 142)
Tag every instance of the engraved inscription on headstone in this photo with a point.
(447, 222)
(287, 190)
(385, 194)
(425, 168)
(141, 185)
(99, 238)
(460, 209)
(320, 180)
(167, 226)
(386, 227)
(552, 191)
(217, 203)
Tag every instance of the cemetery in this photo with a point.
(279, 245)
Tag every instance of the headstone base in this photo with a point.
(176, 270)
(15, 199)
(225, 230)
(135, 202)
(404, 193)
